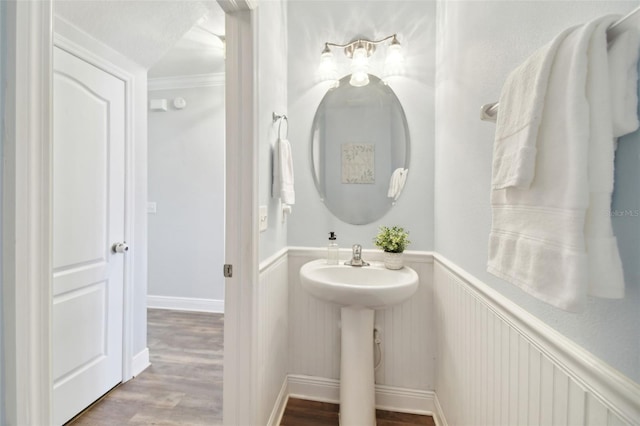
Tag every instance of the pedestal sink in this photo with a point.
(358, 290)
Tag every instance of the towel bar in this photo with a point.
(277, 117)
(489, 112)
(281, 118)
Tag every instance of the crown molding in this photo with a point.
(186, 81)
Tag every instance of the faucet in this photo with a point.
(356, 258)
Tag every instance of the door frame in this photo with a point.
(240, 393)
(26, 214)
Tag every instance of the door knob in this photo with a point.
(120, 247)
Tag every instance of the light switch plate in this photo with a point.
(152, 207)
(263, 218)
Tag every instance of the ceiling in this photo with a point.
(200, 51)
(172, 36)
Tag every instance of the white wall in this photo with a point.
(271, 41)
(186, 181)
(479, 43)
(317, 22)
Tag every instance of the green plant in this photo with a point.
(392, 240)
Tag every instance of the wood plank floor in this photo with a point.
(183, 385)
(300, 412)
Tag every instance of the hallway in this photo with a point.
(182, 386)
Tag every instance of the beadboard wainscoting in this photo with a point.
(407, 330)
(499, 365)
(272, 340)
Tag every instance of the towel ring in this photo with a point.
(281, 118)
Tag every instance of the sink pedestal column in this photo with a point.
(357, 386)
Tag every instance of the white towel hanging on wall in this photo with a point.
(553, 238)
(283, 181)
(283, 185)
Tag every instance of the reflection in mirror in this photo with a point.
(360, 150)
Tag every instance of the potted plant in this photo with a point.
(392, 240)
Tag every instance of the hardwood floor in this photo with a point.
(300, 412)
(183, 385)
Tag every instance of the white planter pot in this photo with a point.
(393, 260)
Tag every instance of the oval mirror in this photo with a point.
(360, 150)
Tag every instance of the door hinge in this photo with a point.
(228, 270)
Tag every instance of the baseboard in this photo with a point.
(314, 388)
(387, 397)
(438, 414)
(403, 400)
(281, 404)
(140, 362)
(185, 304)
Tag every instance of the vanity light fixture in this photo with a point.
(359, 52)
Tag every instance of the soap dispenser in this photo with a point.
(332, 250)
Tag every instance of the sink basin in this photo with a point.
(371, 286)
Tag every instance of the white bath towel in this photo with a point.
(537, 239)
(623, 75)
(606, 277)
(283, 182)
(396, 183)
(521, 106)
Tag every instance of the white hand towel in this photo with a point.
(623, 76)
(537, 239)
(396, 183)
(283, 183)
(401, 181)
(521, 107)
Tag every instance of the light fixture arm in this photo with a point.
(368, 45)
(359, 51)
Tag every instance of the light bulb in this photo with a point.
(359, 68)
(394, 63)
(359, 79)
(359, 58)
(327, 70)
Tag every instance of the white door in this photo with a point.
(88, 218)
